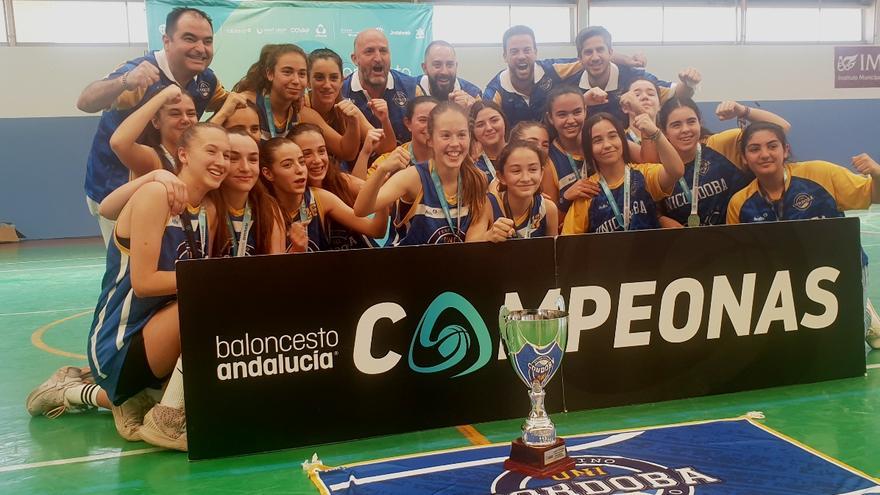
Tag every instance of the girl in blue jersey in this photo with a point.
(134, 340)
(489, 130)
(519, 210)
(701, 196)
(417, 150)
(567, 181)
(238, 112)
(629, 191)
(277, 85)
(642, 96)
(309, 209)
(254, 223)
(439, 197)
(159, 123)
(535, 133)
(802, 190)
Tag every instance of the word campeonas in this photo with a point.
(778, 306)
(276, 355)
(673, 482)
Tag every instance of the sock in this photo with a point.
(86, 393)
(173, 396)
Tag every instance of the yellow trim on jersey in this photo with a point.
(129, 99)
(665, 94)
(122, 249)
(193, 209)
(520, 219)
(579, 157)
(235, 212)
(373, 167)
(497, 98)
(412, 211)
(218, 98)
(567, 69)
(728, 144)
(577, 220)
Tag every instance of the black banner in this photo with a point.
(295, 350)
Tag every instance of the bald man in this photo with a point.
(375, 88)
(440, 78)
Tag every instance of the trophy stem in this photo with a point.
(538, 430)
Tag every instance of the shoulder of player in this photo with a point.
(151, 195)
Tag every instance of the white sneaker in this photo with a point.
(873, 335)
(48, 398)
(129, 416)
(165, 426)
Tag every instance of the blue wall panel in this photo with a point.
(44, 159)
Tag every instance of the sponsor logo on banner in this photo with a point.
(300, 30)
(287, 353)
(320, 31)
(857, 66)
(420, 33)
(462, 339)
(401, 33)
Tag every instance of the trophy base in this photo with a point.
(539, 462)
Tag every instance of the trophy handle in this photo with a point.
(503, 313)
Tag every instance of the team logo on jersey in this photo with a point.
(594, 474)
(803, 201)
(399, 98)
(204, 89)
(704, 167)
(546, 84)
(452, 343)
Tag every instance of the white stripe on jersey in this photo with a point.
(123, 267)
(432, 212)
(123, 320)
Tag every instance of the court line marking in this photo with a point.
(44, 311)
(874, 366)
(473, 435)
(50, 268)
(50, 261)
(77, 460)
(37, 338)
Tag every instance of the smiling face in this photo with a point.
(595, 56)
(418, 126)
(206, 156)
(646, 94)
(289, 76)
(606, 144)
(372, 58)
(247, 119)
(489, 127)
(567, 115)
(520, 56)
(450, 138)
(683, 129)
(325, 81)
(537, 135)
(287, 171)
(441, 68)
(244, 164)
(315, 156)
(522, 173)
(765, 153)
(174, 118)
(191, 46)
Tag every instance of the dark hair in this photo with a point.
(481, 105)
(178, 12)
(516, 31)
(333, 180)
(512, 146)
(151, 136)
(755, 127)
(265, 209)
(642, 78)
(325, 53)
(256, 80)
(554, 94)
(590, 32)
(522, 126)
(268, 149)
(587, 139)
(473, 181)
(438, 43)
(675, 103)
(415, 102)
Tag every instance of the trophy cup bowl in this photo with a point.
(535, 340)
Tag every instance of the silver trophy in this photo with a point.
(535, 340)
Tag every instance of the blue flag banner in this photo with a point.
(735, 456)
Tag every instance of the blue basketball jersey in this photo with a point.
(236, 219)
(719, 179)
(532, 224)
(265, 130)
(120, 314)
(519, 107)
(318, 240)
(597, 215)
(567, 169)
(618, 83)
(425, 221)
(487, 167)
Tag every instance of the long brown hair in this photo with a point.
(587, 139)
(266, 215)
(256, 79)
(473, 181)
(268, 149)
(334, 181)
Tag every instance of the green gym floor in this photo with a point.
(48, 290)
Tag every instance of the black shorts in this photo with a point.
(136, 374)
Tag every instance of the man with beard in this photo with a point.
(187, 52)
(441, 80)
(380, 92)
(603, 82)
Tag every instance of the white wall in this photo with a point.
(44, 81)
